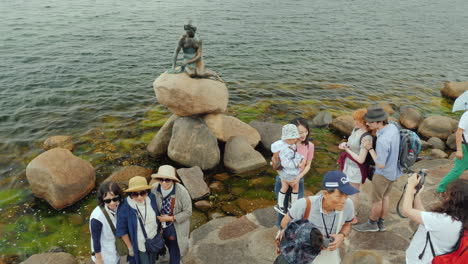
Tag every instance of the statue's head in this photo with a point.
(190, 29)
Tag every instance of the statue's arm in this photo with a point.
(197, 55)
(176, 53)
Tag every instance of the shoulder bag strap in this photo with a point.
(142, 227)
(362, 136)
(428, 239)
(108, 219)
(307, 210)
(173, 200)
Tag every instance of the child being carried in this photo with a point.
(291, 162)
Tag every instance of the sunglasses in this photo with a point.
(136, 194)
(163, 180)
(115, 199)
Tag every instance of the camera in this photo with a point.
(327, 241)
(422, 177)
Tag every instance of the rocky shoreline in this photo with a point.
(215, 138)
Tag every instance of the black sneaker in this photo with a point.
(280, 210)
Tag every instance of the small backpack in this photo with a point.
(458, 256)
(369, 163)
(276, 161)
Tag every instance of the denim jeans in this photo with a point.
(288, 195)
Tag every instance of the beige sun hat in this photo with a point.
(166, 172)
(137, 183)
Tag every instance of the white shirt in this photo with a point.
(108, 251)
(463, 124)
(444, 234)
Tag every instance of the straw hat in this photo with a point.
(137, 183)
(166, 172)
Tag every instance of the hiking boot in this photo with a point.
(366, 227)
(280, 210)
(381, 226)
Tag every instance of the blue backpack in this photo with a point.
(410, 147)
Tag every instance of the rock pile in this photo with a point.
(191, 136)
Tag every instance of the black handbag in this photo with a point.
(153, 245)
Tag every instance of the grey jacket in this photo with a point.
(182, 214)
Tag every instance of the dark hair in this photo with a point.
(316, 241)
(330, 190)
(108, 187)
(456, 203)
(301, 121)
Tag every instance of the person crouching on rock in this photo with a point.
(289, 164)
(136, 220)
(102, 224)
(176, 210)
(440, 228)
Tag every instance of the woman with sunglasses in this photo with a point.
(109, 196)
(137, 216)
(176, 209)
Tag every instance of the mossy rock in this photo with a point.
(147, 137)
(259, 193)
(237, 191)
(262, 182)
(249, 205)
(226, 197)
(231, 208)
(197, 219)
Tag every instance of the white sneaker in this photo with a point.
(280, 210)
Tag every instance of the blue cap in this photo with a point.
(338, 180)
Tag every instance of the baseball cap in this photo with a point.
(338, 180)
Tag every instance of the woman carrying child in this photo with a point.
(306, 149)
(291, 162)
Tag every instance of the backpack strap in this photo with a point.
(108, 219)
(428, 238)
(364, 135)
(307, 210)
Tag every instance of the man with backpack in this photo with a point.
(331, 212)
(387, 169)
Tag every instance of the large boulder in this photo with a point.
(60, 178)
(437, 126)
(225, 127)
(343, 124)
(410, 118)
(240, 157)
(51, 258)
(269, 132)
(438, 154)
(160, 142)
(452, 142)
(124, 174)
(193, 182)
(193, 144)
(185, 96)
(323, 118)
(62, 141)
(454, 89)
(436, 143)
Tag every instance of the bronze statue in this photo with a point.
(193, 63)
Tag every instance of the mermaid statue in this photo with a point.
(193, 63)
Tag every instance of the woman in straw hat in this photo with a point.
(176, 209)
(138, 211)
